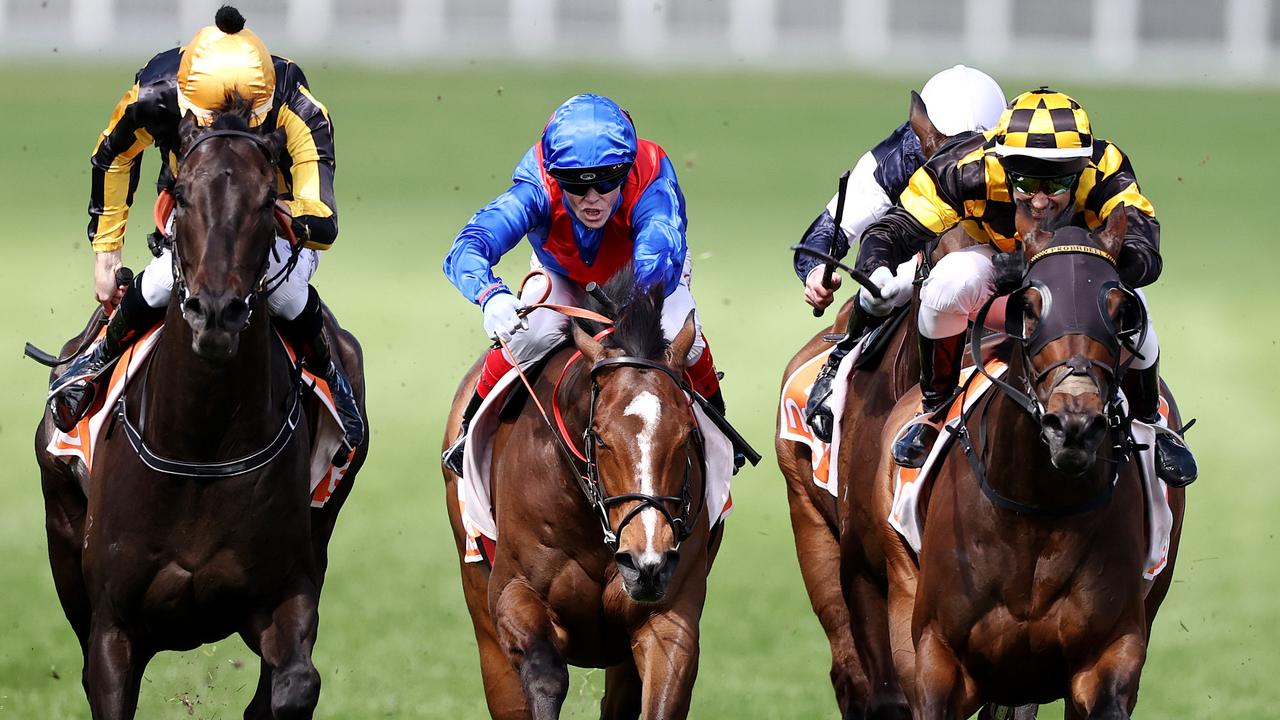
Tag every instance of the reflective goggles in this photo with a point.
(1048, 186)
(601, 186)
(580, 181)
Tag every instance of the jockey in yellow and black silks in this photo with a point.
(1043, 163)
(222, 61)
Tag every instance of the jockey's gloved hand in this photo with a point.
(500, 316)
(1010, 270)
(894, 291)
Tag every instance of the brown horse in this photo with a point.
(603, 565)
(195, 523)
(1029, 584)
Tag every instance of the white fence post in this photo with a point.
(532, 26)
(1246, 41)
(988, 25)
(753, 27)
(1115, 32)
(309, 21)
(421, 24)
(865, 28)
(91, 22)
(643, 26)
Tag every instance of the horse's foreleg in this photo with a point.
(868, 613)
(284, 639)
(819, 557)
(113, 671)
(527, 634)
(1108, 689)
(622, 693)
(666, 654)
(943, 692)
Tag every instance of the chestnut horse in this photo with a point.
(815, 513)
(603, 564)
(1029, 586)
(222, 538)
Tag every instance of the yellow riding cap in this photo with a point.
(1044, 133)
(221, 60)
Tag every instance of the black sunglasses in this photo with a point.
(1048, 186)
(600, 186)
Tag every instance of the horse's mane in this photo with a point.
(233, 114)
(637, 329)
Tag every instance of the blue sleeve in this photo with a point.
(495, 229)
(659, 223)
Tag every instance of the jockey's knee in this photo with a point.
(958, 285)
(156, 281)
(1149, 350)
(938, 324)
(289, 299)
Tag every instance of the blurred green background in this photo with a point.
(757, 154)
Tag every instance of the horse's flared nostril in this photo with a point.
(235, 315)
(193, 306)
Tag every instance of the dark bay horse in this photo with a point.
(222, 539)
(1029, 586)
(617, 581)
(815, 514)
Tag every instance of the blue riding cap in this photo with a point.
(588, 135)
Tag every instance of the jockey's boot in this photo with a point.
(818, 412)
(73, 391)
(1174, 462)
(307, 334)
(705, 380)
(495, 366)
(939, 376)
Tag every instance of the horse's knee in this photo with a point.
(545, 678)
(295, 692)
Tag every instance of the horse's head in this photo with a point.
(1073, 317)
(224, 226)
(647, 449)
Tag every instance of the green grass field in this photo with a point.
(420, 150)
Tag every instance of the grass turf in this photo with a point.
(757, 154)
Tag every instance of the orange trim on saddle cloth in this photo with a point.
(792, 425)
(617, 245)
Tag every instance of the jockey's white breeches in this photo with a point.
(285, 302)
(961, 283)
(548, 328)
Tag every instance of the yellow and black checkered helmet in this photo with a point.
(1044, 134)
(224, 59)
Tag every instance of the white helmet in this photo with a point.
(961, 99)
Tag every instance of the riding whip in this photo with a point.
(841, 192)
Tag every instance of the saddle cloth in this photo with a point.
(78, 445)
(474, 497)
(791, 422)
(905, 516)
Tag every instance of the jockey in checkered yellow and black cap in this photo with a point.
(1043, 161)
(191, 84)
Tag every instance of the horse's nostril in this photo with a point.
(625, 560)
(1052, 423)
(193, 306)
(236, 313)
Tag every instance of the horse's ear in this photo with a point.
(1112, 236)
(930, 138)
(276, 143)
(188, 129)
(592, 350)
(678, 351)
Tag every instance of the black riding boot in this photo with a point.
(939, 375)
(452, 456)
(73, 391)
(1174, 462)
(306, 333)
(818, 412)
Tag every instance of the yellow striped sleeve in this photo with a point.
(921, 199)
(307, 188)
(117, 179)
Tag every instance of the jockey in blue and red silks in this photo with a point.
(591, 198)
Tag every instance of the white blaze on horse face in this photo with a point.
(646, 407)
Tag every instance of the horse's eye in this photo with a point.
(179, 197)
(599, 441)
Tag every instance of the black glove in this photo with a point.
(1010, 270)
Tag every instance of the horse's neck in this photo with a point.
(905, 353)
(199, 409)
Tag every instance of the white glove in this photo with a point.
(895, 291)
(500, 318)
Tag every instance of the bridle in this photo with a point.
(265, 285)
(1079, 366)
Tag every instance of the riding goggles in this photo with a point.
(579, 181)
(1049, 186)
